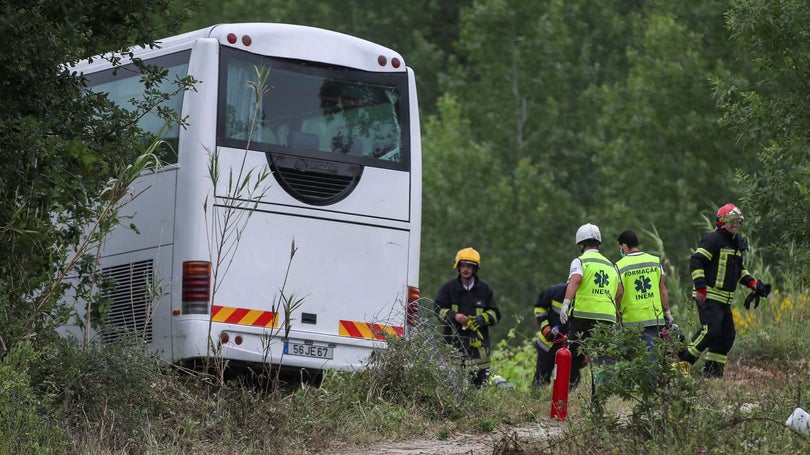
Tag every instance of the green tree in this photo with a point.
(524, 72)
(603, 114)
(422, 31)
(768, 111)
(58, 144)
(454, 179)
(509, 216)
(663, 159)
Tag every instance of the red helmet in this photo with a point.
(729, 217)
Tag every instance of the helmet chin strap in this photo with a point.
(734, 229)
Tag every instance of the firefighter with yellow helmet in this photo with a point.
(466, 307)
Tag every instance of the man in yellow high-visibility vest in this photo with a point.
(644, 300)
(593, 283)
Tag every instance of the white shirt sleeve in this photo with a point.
(576, 268)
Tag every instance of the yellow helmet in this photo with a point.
(467, 255)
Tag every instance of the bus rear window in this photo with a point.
(335, 114)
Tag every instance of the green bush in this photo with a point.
(418, 370)
(28, 423)
(515, 363)
(109, 389)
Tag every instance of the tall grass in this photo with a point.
(119, 398)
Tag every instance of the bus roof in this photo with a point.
(282, 40)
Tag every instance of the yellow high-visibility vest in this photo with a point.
(641, 275)
(596, 295)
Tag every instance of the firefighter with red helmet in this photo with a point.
(466, 307)
(717, 266)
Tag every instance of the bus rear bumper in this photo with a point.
(256, 345)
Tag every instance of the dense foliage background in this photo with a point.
(540, 116)
(537, 117)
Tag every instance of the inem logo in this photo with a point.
(601, 279)
(643, 284)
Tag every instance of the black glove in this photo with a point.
(763, 289)
(752, 296)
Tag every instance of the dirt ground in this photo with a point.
(512, 439)
(499, 441)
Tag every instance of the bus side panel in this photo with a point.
(147, 221)
(194, 185)
(137, 255)
(147, 307)
(416, 185)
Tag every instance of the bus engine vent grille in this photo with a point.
(315, 182)
(128, 289)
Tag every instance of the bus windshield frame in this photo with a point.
(313, 110)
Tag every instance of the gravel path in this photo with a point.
(457, 444)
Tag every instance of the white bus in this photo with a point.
(338, 128)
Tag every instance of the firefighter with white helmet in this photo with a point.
(593, 282)
(587, 232)
(717, 267)
(466, 306)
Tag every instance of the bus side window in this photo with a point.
(301, 140)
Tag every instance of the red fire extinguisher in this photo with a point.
(561, 376)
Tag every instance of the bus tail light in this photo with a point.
(412, 310)
(383, 61)
(232, 39)
(196, 287)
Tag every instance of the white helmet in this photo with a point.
(588, 232)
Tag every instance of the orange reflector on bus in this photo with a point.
(368, 331)
(244, 316)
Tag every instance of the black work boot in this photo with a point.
(687, 357)
(713, 369)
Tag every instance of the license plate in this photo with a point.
(308, 350)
